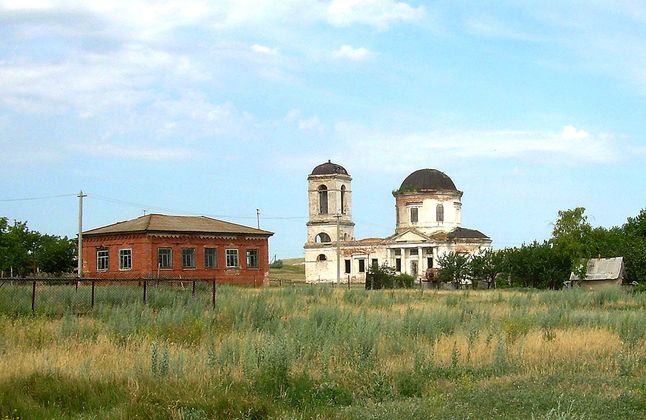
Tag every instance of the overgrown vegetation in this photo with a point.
(385, 277)
(321, 352)
(548, 264)
(24, 251)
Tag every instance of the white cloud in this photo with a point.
(377, 13)
(348, 52)
(570, 132)
(311, 124)
(392, 150)
(134, 152)
(262, 49)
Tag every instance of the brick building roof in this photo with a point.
(162, 223)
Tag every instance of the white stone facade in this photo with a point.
(428, 225)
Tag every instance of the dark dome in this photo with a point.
(427, 179)
(329, 168)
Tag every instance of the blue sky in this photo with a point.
(220, 108)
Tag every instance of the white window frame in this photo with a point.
(125, 256)
(190, 254)
(232, 256)
(253, 254)
(215, 258)
(170, 258)
(102, 258)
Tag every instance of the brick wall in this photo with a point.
(145, 249)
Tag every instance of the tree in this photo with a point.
(634, 247)
(571, 236)
(454, 268)
(23, 251)
(486, 266)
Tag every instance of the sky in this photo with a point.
(219, 108)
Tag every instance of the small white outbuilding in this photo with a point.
(601, 272)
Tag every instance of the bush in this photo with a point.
(385, 277)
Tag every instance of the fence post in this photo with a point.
(213, 298)
(193, 292)
(348, 282)
(145, 285)
(33, 296)
(93, 293)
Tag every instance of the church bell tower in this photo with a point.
(330, 198)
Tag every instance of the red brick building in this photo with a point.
(162, 246)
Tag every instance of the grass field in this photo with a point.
(318, 352)
(293, 271)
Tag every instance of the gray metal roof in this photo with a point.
(602, 269)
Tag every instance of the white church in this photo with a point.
(428, 225)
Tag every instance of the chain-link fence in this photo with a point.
(62, 295)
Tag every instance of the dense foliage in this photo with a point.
(24, 251)
(385, 277)
(549, 264)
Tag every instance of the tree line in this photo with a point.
(26, 252)
(548, 264)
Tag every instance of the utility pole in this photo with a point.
(258, 217)
(338, 249)
(80, 244)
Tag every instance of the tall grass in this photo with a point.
(329, 353)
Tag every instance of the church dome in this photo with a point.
(427, 180)
(329, 168)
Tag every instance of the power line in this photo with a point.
(45, 197)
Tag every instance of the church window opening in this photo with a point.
(321, 257)
(343, 199)
(348, 266)
(414, 214)
(439, 213)
(429, 262)
(398, 265)
(375, 263)
(323, 237)
(362, 266)
(322, 199)
(413, 252)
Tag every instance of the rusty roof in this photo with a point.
(162, 223)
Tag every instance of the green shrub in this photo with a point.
(385, 277)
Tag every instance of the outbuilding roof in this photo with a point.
(162, 223)
(599, 269)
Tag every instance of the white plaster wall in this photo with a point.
(427, 222)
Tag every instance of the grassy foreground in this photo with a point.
(315, 352)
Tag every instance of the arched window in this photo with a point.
(322, 199)
(439, 213)
(342, 199)
(321, 257)
(323, 237)
(414, 212)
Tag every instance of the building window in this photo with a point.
(375, 263)
(102, 259)
(125, 259)
(414, 214)
(398, 265)
(322, 199)
(342, 199)
(232, 258)
(209, 258)
(362, 266)
(188, 257)
(323, 237)
(252, 258)
(348, 266)
(321, 257)
(165, 258)
(429, 262)
(439, 213)
(413, 252)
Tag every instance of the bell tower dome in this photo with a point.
(330, 194)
